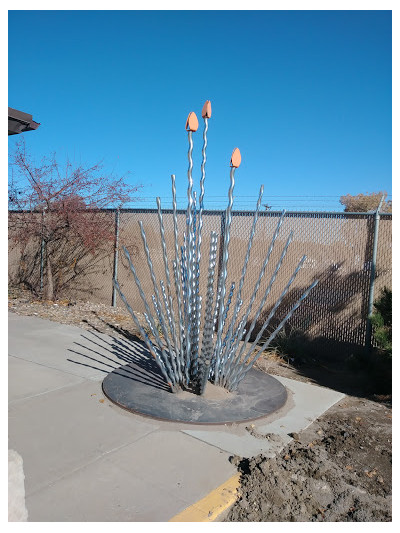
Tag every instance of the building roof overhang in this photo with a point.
(19, 122)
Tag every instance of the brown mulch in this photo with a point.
(84, 314)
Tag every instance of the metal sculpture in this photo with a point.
(221, 357)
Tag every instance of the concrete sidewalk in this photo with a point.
(85, 459)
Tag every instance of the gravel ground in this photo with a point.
(337, 470)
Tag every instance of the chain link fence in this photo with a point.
(338, 246)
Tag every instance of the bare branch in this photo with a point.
(64, 206)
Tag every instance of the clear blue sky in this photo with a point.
(305, 95)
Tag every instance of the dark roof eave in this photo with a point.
(19, 122)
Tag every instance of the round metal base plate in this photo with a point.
(257, 395)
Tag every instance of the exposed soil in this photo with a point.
(211, 392)
(338, 469)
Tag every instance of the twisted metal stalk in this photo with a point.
(231, 353)
(167, 275)
(189, 222)
(198, 249)
(163, 243)
(170, 318)
(166, 307)
(196, 336)
(238, 303)
(160, 317)
(202, 180)
(178, 286)
(273, 335)
(144, 299)
(217, 302)
(228, 304)
(184, 277)
(149, 323)
(225, 257)
(240, 366)
(224, 343)
(207, 341)
(156, 292)
(183, 281)
(228, 341)
(267, 291)
(239, 334)
(275, 307)
(170, 379)
(195, 304)
(181, 324)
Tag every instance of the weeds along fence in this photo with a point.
(339, 249)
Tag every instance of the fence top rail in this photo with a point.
(219, 212)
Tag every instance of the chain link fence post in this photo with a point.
(368, 333)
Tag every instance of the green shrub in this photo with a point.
(381, 320)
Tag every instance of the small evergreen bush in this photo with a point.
(381, 320)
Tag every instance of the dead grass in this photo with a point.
(270, 358)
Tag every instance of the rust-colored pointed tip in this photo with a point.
(236, 158)
(206, 111)
(192, 123)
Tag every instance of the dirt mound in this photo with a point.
(339, 470)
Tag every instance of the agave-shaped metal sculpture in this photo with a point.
(220, 356)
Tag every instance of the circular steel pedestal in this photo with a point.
(257, 395)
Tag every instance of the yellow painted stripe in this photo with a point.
(211, 506)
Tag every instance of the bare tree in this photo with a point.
(55, 213)
(362, 203)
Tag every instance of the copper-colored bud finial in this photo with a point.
(236, 158)
(206, 111)
(192, 123)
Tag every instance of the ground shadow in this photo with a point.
(113, 354)
(327, 358)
